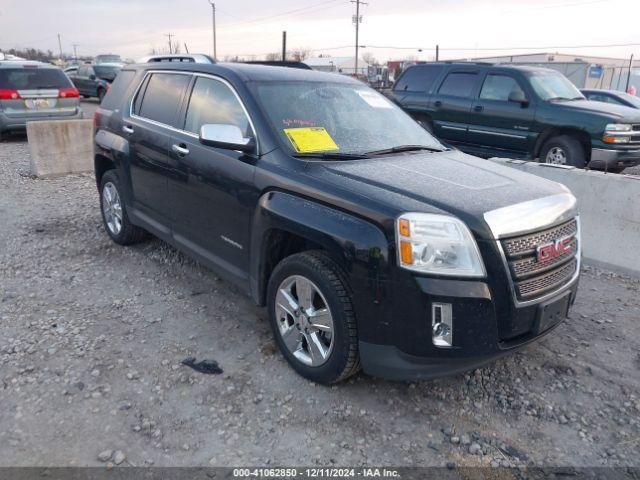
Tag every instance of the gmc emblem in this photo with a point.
(551, 250)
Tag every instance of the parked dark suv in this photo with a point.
(94, 80)
(369, 242)
(519, 112)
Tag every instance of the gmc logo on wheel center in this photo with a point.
(551, 250)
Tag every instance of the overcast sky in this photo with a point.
(133, 27)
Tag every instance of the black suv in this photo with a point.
(519, 112)
(94, 80)
(370, 243)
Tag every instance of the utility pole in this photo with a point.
(213, 28)
(60, 46)
(170, 46)
(356, 20)
(629, 75)
(75, 51)
(437, 52)
(284, 45)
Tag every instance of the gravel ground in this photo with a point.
(92, 336)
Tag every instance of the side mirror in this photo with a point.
(222, 135)
(92, 77)
(518, 96)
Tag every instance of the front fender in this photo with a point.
(359, 246)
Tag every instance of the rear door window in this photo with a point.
(459, 84)
(213, 101)
(33, 78)
(115, 95)
(418, 78)
(162, 97)
(499, 87)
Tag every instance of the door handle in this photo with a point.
(127, 129)
(181, 149)
(437, 103)
(478, 108)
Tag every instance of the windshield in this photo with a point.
(33, 78)
(554, 86)
(341, 118)
(108, 73)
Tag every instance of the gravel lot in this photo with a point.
(92, 336)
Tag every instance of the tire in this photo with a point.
(332, 355)
(114, 213)
(101, 94)
(563, 150)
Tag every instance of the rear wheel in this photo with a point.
(312, 317)
(114, 213)
(563, 150)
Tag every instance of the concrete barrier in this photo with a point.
(609, 211)
(60, 147)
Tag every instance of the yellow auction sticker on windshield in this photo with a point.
(310, 139)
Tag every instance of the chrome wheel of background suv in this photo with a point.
(305, 322)
(556, 156)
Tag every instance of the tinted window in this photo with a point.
(602, 98)
(107, 73)
(33, 78)
(459, 84)
(499, 87)
(118, 89)
(419, 78)
(213, 102)
(162, 97)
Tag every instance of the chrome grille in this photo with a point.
(533, 278)
(549, 281)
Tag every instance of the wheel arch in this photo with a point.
(102, 163)
(285, 224)
(582, 136)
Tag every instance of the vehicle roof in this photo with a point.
(25, 63)
(526, 68)
(108, 64)
(252, 72)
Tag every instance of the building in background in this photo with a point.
(343, 65)
(584, 71)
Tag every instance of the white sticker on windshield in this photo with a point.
(374, 99)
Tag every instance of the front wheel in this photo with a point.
(312, 317)
(563, 150)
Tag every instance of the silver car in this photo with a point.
(35, 91)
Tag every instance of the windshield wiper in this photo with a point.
(404, 148)
(332, 155)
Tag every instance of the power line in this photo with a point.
(282, 14)
(462, 49)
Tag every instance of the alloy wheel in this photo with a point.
(304, 320)
(112, 208)
(556, 156)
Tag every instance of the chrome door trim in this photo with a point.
(488, 132)
(532, 215)
(194, 74)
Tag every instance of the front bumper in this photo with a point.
(602, 158)
(479, 335)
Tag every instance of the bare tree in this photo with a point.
(299, 54)
(273, 56)
(369, 58)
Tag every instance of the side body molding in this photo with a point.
(359, 246)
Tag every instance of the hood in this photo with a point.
(450, 182)
(618, 112)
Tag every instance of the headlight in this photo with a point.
(437, 244)
(618, 127)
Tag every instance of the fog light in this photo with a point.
(442, 324)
